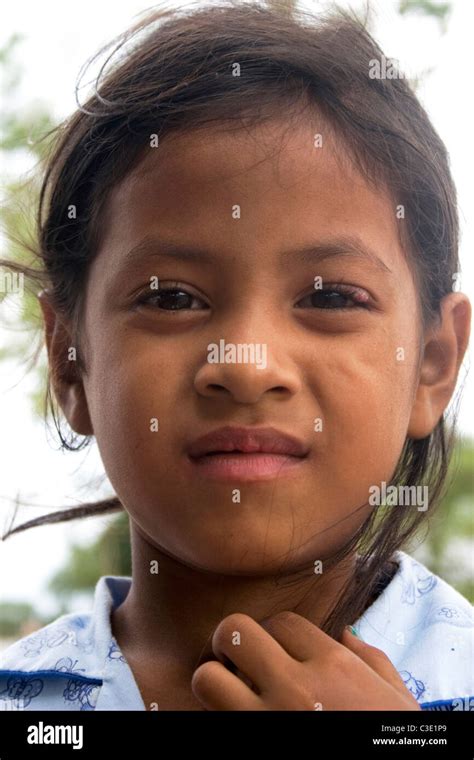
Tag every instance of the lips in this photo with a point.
(247, 441)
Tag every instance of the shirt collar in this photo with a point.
(81, 646)
(425, 627)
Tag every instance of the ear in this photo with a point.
(66, 380)
(445, 346)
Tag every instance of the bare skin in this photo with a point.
(218, 559)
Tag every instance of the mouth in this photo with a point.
(238, 465)
(246, 454)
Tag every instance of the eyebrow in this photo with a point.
(349, 246)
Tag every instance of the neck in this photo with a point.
(171, 614)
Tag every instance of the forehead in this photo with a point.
(286, 182)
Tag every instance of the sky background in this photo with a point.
(58, 39)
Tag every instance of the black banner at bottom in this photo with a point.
(424, 734)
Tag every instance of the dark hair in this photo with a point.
(177, 75)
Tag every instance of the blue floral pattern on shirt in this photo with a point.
(21, 690)
(49, 638)
(422, 583)
(84, 694)
(413, 684)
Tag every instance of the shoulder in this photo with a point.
(49, 666)
(426, 628)
(61, 666)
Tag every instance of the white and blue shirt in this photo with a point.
(423, 624)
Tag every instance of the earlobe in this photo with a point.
(65, 377)
(75, 408)
(445, 346)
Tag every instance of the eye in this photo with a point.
(171, 298)
(338, 296)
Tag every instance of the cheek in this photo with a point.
(131, 392)
(365, 390)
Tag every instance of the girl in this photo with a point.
(247, 244)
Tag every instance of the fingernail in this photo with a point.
(354, 632)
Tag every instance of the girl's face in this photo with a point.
(342, 379)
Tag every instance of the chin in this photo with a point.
(242, 561)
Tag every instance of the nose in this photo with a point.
(246, 382)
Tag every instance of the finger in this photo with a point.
(218, 689)
(374, 658)
(300, 638)
(252, 649)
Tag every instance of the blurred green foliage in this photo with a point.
(22, 142)
(109, 555)
(448, 549)
(12, 616)
(439, 11)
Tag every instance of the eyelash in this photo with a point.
(341, 289)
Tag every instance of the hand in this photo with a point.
(287, 663)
